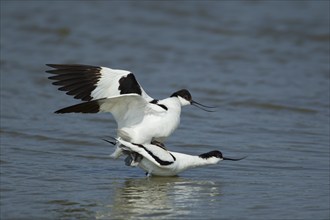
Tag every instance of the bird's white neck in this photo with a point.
(186, 161)
(174, 102)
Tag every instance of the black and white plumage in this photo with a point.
(89, 83)
(140, 118)
(156, 160)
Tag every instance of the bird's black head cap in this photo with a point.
(184, 93)
(214, 153)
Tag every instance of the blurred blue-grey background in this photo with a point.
(264, 64)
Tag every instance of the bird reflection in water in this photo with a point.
(160, 197)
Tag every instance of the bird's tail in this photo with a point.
(118, 151)
(124, 135)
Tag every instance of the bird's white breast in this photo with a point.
(151, 168)
(156, 126)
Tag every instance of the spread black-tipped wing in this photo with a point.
(127, 109)
(89, 83)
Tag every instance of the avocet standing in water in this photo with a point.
(156, 160)
(140, 118)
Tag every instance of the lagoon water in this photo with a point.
(264, 64)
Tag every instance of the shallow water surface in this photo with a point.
(264, 64)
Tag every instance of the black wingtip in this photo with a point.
(85, 107)
(72, 66)
(59, 112)
(52, 65)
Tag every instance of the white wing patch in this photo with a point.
(108, 84)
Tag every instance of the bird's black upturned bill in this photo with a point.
(233, 159)
(201, 106)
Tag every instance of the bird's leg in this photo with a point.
(148, 174)
(136, 159)
(159, 144)
(133, 159)
(128, 160)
